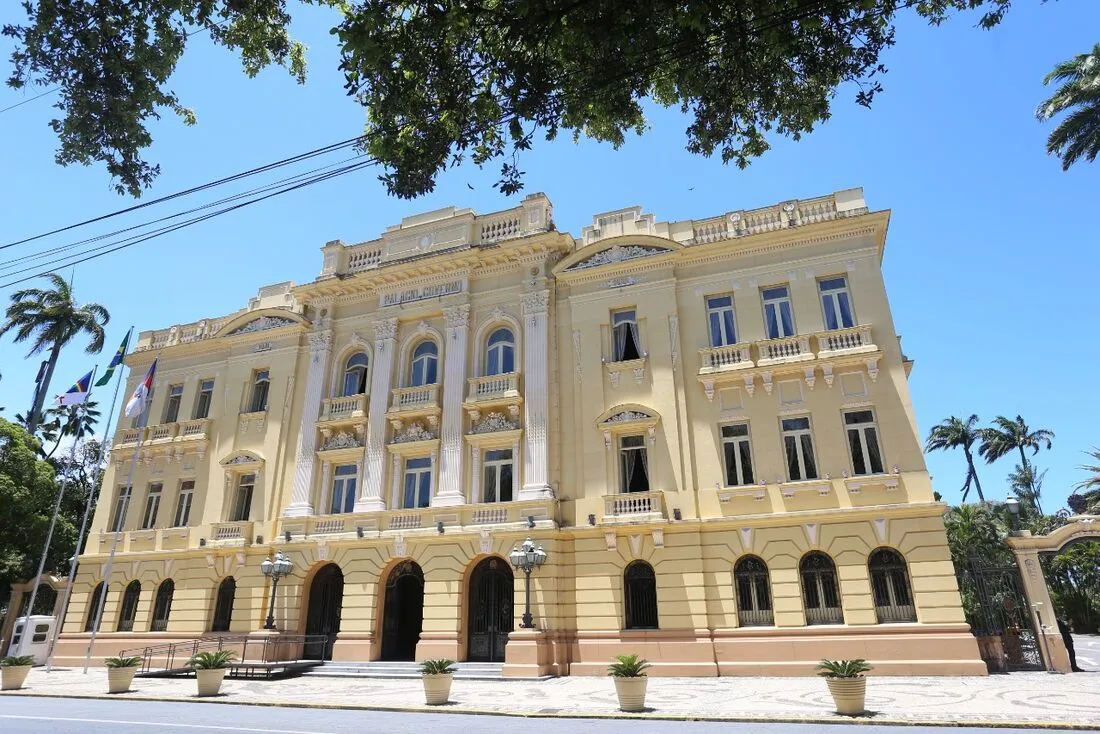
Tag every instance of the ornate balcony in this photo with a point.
(236, 533)
(493, 393)
(784, 350)
(347, 410)
(410, 403)
(854, 340)
(634, 507)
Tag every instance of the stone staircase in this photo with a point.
(380, 669)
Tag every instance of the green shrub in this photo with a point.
(627, 666)
(16, 661)
(438, 666)
(843, 668)
(215, 660)
(121, 662)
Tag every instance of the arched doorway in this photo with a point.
(403, 615)
(326, 598)
(490, 614)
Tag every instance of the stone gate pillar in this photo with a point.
(1034, 583)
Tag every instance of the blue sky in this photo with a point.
(990, 261)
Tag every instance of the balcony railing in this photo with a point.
(755, 617)
(492, 387)
(193, 429)
(729, 357)
(489, 516)
(854, 339)
(127, 436)
(635, 504)
(895, 613)
(415, 398)
(499, 227)
(350, 406)
(410, 521)
(824, 615)
(240, 530)
(785, 349)
(162, 432)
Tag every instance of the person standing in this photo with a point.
(1065, 629)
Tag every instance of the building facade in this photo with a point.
(706, 424)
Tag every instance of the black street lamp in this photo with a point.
(527, 558)
(1014, 512)
(275, 570)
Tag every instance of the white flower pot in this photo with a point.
(119, 679)
(849, 695)
(11, 678)
(210, 681)
(437, 688)
(631, 692)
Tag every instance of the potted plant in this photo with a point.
(846, 683)
(210, 669)
(13, 671)
(120, 673)
(438, 675)
(630, 681)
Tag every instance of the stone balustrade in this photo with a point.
(415, 398)
(492, 387)
(344, 408)
(634, 506)
(785, 349)
(845, 341)
(729, 357)
(238, 532)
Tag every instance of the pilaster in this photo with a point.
(536, 396)
(374, 463)
(320, 349)
(454, 385)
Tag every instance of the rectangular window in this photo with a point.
(633, 464)
(172, 405)
(778, 317)
(624, 333)
(498, 476)
(738, 454)
(152, 506)
(863, 442)
(720, 317)
(344, 481)
(122, 504)
(242, 503)
(836, 303)
(203, 399)
(183, 504)
(261, 383)
(798, 444)
(418, 483)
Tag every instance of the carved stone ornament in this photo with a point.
(536, 302)
(618, 254)
(628, 416)
(497, 314)
(240, 459)
(413, 432)
(385, 329)
(320, 340)
(495, 422)
(341, 440)
(263, 323)
(457, 316)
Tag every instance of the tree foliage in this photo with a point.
(1077, 136)
(442, 79)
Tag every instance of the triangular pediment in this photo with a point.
(261, 320)
(616, 251)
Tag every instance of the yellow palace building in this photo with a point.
(706, 424)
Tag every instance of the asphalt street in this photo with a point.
(26, 715)
(1087, 648)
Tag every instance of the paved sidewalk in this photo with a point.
(1019, 699)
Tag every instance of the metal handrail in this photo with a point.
(185, 650)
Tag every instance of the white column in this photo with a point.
(374, 464)
(396, 479)
(320, 349)
(536, 396)
(324, 497)
(454, 388)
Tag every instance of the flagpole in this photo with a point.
(92, 495)
(143, 419)
(49, 535)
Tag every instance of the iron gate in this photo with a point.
(490, 617)
(996, 607)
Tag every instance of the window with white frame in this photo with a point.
(172, 405)
(720, 317)
(242, 498)
(798, 445)
(183, 504)
(863, 442)
(122, 505)
(737, 452)
(836, 303)
(424, 369)
(355, 374)
(633, 464)
(204, 399)
(624, 334)
(152, 506)
(418, 483)
(500, 352)
(778, 317)
(497, 472)
(344, 480)
(261, 385)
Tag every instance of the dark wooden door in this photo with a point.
(326, 598)
(403, 616)
(490, 614)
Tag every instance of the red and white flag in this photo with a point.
(141, 394)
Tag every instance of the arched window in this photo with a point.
(820, 595)
(355, 375)
(95, 603)
(425, 364)
(162, 607)
(500, 352)
(754, 599)
(223, 607)
(129, 606)
(890, 584)
(641, 596)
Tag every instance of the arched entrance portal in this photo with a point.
(490, 614)
(326, 598)
(403, 615)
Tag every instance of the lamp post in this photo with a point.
(1014, 510)
(275, 570)
(526, 558)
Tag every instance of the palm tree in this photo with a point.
(1078, 135)
(1027, 485)
(1005, 436)
(1089, 500)
(953, 433)
(52, 319)
(71, 421)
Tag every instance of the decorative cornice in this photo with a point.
(536, 302)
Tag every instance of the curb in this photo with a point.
(611, 715)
